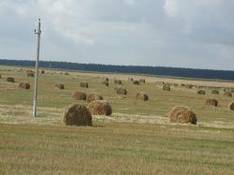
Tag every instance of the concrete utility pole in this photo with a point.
(38, 33)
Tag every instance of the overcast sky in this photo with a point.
(178, 33)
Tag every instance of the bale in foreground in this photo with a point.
(10, 79)
(77, 115)
(100, 107)
(182, 115)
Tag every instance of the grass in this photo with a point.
(115, 149)
(137, 139)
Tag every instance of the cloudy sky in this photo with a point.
(178, 33)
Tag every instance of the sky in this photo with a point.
(174, 33)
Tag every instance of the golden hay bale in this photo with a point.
(106, 83)
(10, 79)
(24, 85)
(212, 102)
(182, 115)
(100, 107)
(142, 96)
(136, 82)
(79, 95)
(60, 86)
(130, 79)
(231, 106)
(142, 80)
(215, 92)
(66, 73)
(189, 86)
(107, 79)
(42, 72)
(78, 115)
(84, 85)
(30, 73)
(121, 91)
(201, 92)
(118, 82)
(227, 94)
(93, 97)
(166, 87)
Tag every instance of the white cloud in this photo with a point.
(171, 8)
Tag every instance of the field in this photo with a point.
(137, 139)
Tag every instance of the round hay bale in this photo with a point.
(30, 73)
(227, 94)
(66, 73)
(42, 72)
(189, 86)
(121, 91)
(78, 115)
(79, 95)
(142, 96)
(10, 79)
(93, 97)
(60, 86)
(142, 80)
(24, 85)
(166, 87)
(182, 115)
(136, 82)
(100, 107)
(106, 83)
(118, 82)
(201, 92)
(107, 79)
(130, 79)
(231, 106)
(215, 92)
(212, 102)
(84, 85)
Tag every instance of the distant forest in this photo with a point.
(149, 70)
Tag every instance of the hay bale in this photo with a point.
(79, 95)
(100, 107)
(189, 86)
(182, 115)
(201, 92)
(107, 79)
(60, 86)
(93, 97)
(215, 92)
(106, 83)
(142, 96)
(66, 73)
(118, 82)
(166, 87)
(130, 79)
(227, 94)
(30, 73)
(84, 85)
(231, 106)
(142, 80)
(78, 115)
(42, 72)
(24, 85)
(136, 82)
(10, 79)
(212, 102)
(121, 91)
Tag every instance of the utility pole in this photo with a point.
(38, 33)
